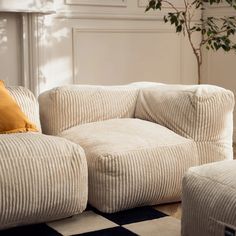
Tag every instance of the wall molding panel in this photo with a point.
(144, 3)
(75, 14)
(104, 3)
(30, 52)
(124, 35)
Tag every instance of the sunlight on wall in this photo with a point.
(55, 67)
(58, 4)
(26, 4)
(57, 70)
(3, 35)
(49, 37)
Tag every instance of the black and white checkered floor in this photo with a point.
(139, 221)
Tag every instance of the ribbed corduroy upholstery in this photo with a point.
(41, 178)
(64, 107)
(28, 103)
(203, 113)
(126, 169)
(209, 199)
(132, 162)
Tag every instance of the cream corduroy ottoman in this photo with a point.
(209, 200)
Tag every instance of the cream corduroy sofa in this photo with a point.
(42, 177)
(140, 139)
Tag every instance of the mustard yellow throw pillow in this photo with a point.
(12, 119)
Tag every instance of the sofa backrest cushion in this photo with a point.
(203, 113)
(199, 112)
(28, 104)
(67, 106)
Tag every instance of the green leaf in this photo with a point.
(179, 28)
(216, 31)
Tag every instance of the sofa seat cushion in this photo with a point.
(209, 199)
(42, 178)
(132, 162)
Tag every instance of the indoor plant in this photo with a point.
(216, 32)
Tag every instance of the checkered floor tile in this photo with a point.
(143, 221)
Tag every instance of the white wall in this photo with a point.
(99, 42)
(111, 43)
(219, 67)
(10, 58)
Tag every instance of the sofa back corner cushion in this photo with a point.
(203, 113)
(19, 110)
(65, 107)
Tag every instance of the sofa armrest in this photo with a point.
(203, 113)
